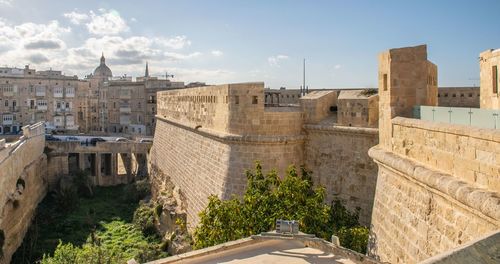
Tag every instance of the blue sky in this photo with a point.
(239, 41)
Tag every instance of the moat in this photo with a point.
(104, 220)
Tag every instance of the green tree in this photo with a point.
(268, 198)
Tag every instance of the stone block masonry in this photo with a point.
(338, 158)
(438, 184)
(23, 184)
(419, 212)
(203, 164)
(207, 137)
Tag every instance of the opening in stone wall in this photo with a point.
(2, 242)
(385, 82)
(20, 185)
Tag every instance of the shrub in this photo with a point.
(268, 198)
(66, 198)
(144, 219)
(355, 238)
(137, 191)
(83, 183)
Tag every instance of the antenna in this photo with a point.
(168, 75)
(473, 79)
(304, 77)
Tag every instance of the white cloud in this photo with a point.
(106, 23)
(30, 42)
(217, 53)
(210, 76)
(178, 56)
(45, 45)
(337, 66)
(6, 2)
(275, 60)
(177, 42)
(133, 19)
(76, 18)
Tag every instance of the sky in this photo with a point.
(240, 41)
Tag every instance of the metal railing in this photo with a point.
(484, 118)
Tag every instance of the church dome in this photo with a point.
(103, 70)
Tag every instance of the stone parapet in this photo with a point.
(23, 183)
(478, 199)
(468, 153)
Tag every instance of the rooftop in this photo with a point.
(271, 248)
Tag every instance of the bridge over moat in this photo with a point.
(108, 162)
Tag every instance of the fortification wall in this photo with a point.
(203, 162)
(230, 108)
(459, 96)
(23, 184)
(437, 188)
(469, 154)
(338, 157)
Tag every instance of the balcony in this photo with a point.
(63, 110)
(124, 120)
(125, 94)
(125, 109)
(41, 107)
(8, 120)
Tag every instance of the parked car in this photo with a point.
(49, 137)
(121, 139)
(94, 141)
(72, 139)
(146, 140)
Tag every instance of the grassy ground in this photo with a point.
(108, 213)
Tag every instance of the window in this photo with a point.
(470, 95)
(236, 100)
(7, 103)
(494, 73)
(446, 95)
(254, 100)
(385, 82)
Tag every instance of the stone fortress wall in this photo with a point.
(207, 137)
(437, 184)
(23, 167)
(339, 159)
(459, 96)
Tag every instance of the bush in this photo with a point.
(144, 219)
(268, 198)
(137, 191)
(115, 244)
(355, 238)
(66, 198)
(83, 183)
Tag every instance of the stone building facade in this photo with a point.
(28, 96)
(98, 104)
(358, 108)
